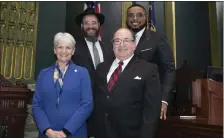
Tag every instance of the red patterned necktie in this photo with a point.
(114, 76)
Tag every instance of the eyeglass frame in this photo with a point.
(135, 15)
(123, 41)
(94, 23)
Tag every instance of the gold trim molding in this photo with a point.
(125, 6)
(214, 37)
(170, 26)
(18, 33)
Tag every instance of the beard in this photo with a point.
(135, 30)
(91, 37)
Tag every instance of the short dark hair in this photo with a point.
(136, 5)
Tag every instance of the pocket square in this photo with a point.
(137, 78)
(146, 49)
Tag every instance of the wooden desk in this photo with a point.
(13, 108)
(174, 127)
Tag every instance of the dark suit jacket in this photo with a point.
(132, 108)
(82, 56)
(154, 48)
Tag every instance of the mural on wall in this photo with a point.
(18, 25)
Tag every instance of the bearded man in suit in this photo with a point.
(154, 48)
(90, 51)
(127, 98)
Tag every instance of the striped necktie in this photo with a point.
(114, 76)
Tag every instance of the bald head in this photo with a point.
(127, 31)
(123, 44)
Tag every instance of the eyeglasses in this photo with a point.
(90, 23)
(137, 15)
(119, 41)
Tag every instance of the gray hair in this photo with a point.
(64, 37)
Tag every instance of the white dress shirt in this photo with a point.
(98, 47)
(115, 65)
(138, 36)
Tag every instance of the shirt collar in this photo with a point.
(140, 32)
(126, 61)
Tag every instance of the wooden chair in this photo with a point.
(215, 73)
(185, 76)
(215, 101)
(200, 97)
(13, 109)
(209, 100)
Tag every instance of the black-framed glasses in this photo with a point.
(90, 23)
(137, 15)
(119, 41)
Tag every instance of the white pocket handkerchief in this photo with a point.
(137, 78)
(146, 49)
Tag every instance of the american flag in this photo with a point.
(152, 18)
(96, 6)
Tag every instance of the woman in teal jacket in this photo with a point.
(62, 100)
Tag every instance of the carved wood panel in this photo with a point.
(18, 30)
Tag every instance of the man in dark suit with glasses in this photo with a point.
(154, 48)
(127, 98)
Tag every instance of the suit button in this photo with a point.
(108, 97)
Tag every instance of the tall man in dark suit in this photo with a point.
(128, 97)
(90, 51)
(154, 48)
